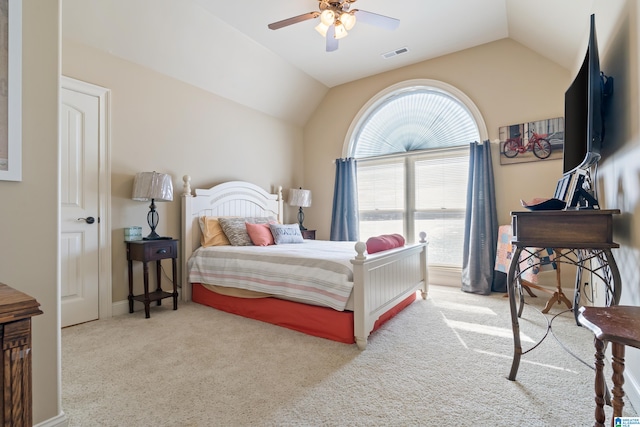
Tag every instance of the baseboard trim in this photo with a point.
(61, 420)
(445, 276)
(632, 390)
(120, 307)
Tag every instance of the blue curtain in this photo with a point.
(344, 218)
(481, 223)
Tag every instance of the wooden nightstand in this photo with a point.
(308, 234)
(152, 250)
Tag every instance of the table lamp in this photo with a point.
(156, 187)
(302, 199)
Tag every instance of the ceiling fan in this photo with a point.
(336, 19)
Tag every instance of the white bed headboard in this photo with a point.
(233, 198)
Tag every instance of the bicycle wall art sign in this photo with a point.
(533, 141)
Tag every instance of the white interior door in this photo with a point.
(81, 251)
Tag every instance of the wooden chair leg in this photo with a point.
(599, 382)
(617, 364)
(617, 325)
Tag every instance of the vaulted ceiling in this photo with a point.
(225, 46)
(428, 29)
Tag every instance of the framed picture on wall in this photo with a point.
(533, 141)
(11, 90)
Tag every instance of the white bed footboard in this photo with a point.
(383, 280)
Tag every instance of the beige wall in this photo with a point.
(159, 123)
(29, 212)
(619, 170)
(509, 84)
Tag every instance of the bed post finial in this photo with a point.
(423, 237)
(360, 248)
(186, 187)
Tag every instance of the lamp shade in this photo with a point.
(152, 186)
(299, 197)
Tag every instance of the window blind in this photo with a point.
(413, 152)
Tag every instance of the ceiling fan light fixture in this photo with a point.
(336, 20)
(341, 31)
(327, 17)
(322, 29)
(348, 20)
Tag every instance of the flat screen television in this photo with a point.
(584, 110)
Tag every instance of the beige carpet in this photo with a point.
(440, 362)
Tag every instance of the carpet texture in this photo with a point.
(443, 361)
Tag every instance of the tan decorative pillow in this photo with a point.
(212, 233)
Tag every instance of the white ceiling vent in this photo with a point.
(396, 52)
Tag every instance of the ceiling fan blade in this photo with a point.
(293, 20)
(381, 21)
(332, 41)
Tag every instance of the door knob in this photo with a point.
(89, 219)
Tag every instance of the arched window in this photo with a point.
(412, 146)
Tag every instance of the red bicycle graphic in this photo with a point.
(538, 143)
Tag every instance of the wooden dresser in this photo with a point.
(16, 310)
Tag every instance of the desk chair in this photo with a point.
(619, 325)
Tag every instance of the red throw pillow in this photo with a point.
(260, 234)
(398, 239)
(384, 242)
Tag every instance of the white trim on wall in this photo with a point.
(104, 198)
(437, 84)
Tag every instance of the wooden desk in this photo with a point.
(619, 326)
(583, 238)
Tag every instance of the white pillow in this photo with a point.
(286, 233)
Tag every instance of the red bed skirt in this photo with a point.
(312, 320)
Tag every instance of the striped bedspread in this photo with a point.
(316, 270)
